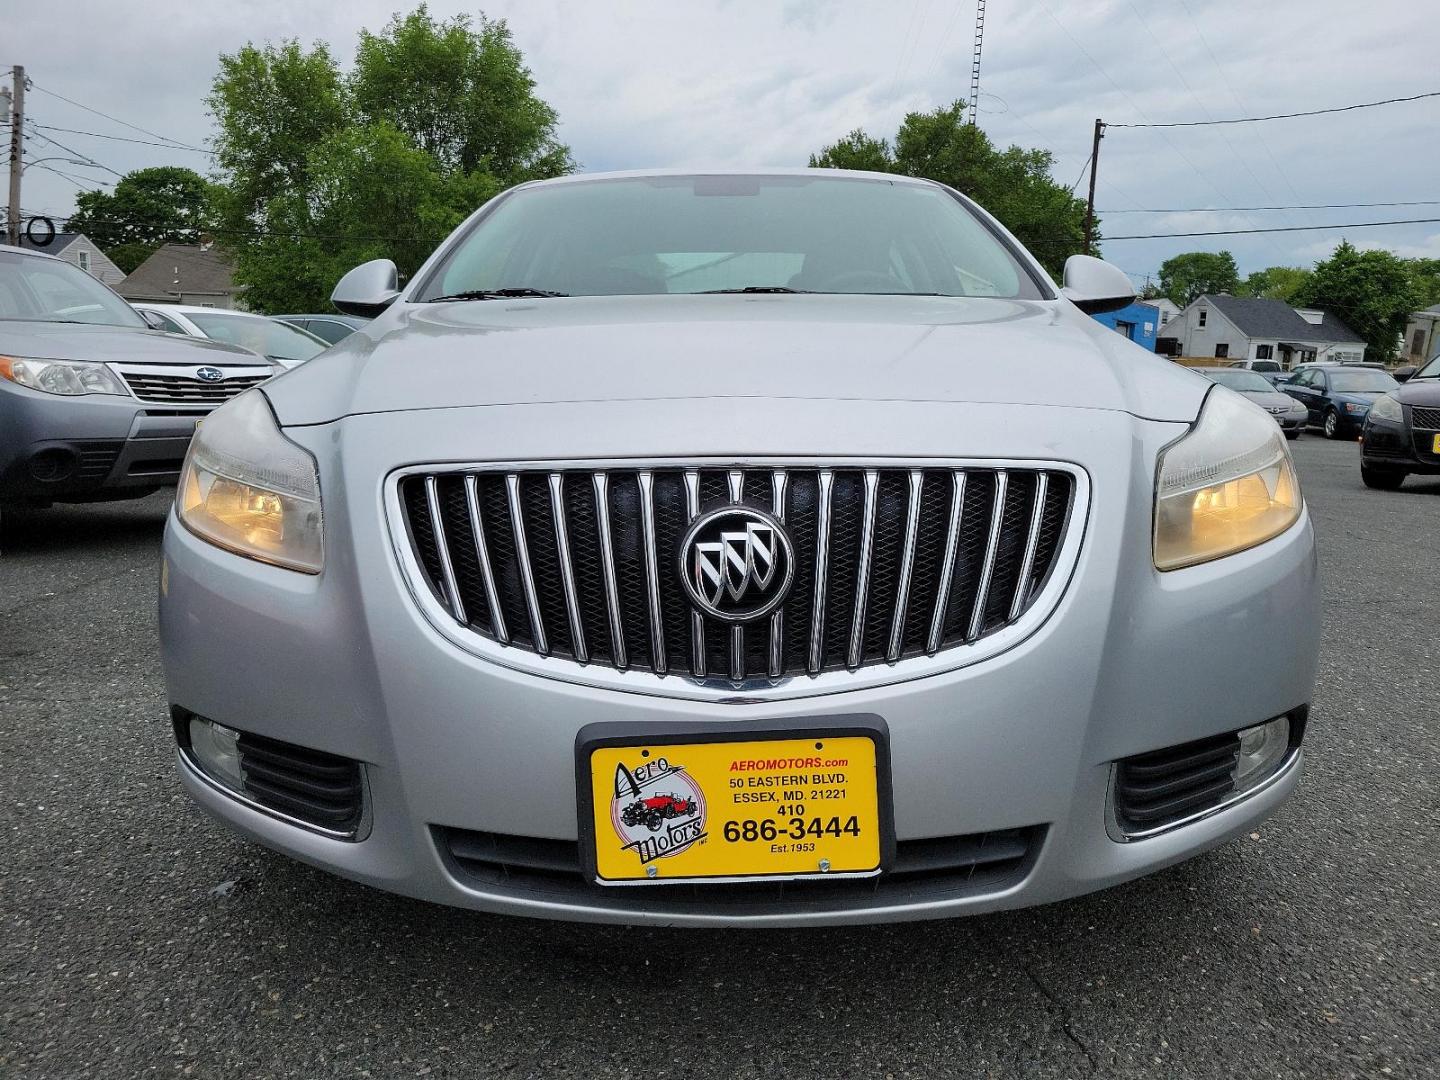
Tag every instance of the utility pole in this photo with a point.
(1090, 203)
(17, 136)
(975, 60)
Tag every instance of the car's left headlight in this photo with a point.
(247, 488)
(1386, 407)
(1226, 486)
(70, 378)
(1356, 408)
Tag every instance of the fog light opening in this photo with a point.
(1262, 750)
(214, 747)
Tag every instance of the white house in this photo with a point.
(1248, 328)
(1422, 335)
(78, 250)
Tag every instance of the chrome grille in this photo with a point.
(583, 564)
(172, 389)
(1425, 418)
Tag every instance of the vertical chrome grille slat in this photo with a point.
(907, 567)
(947, 566)
(1032, 541)
(567, 568)
(447, 567)
(652, 573)
(776, 666)
(522, 556)
(607, 564)
(987, 570)
(482, 556)
(737, 632)
(697, 621)
(822, 568)
(862, 572)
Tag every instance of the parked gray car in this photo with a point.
(93, 403)
(1290, 414)
(745, 549)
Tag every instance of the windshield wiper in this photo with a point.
(493, 294)
(756, 289)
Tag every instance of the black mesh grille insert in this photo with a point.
(1028, 534)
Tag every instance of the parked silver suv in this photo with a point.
(756, 549)
(93, 403)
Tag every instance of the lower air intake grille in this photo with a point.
(1160, 788)
(321, 789)
(584, 565)
(940, 868)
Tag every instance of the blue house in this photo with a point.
(1138, 322)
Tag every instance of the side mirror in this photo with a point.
(1403, 374)
(1093, 285)
(153, 320)
(368, 289)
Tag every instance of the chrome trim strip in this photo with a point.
(761, 690)
(822, 569)
(987, 569)
(947, 569)
(482, 554)
(1022, 582)
(1113, 829)
(907, 567)
(697, 621)
(778, 481)
(191, 767)
(862, 573)
(447, 569)
(607, 562)
(522, 555)
(567, 570)
(652, 572)
(737, 632)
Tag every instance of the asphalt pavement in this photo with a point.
(138, 938)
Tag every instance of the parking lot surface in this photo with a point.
(138, 938)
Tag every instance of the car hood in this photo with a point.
(870, 348)
(1270, 399)
(115, 344)
(1425, 392)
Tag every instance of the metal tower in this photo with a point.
(975, 59)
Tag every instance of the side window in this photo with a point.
(1222, 350)
(1305, 378)
(169, 325)
(1264, 352)
(327, 330)
(1203, 313)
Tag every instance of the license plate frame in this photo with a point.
(606, 735)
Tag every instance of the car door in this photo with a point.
(1319, 396)
(1300, 389)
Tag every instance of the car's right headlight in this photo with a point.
(247, 488)
(1386, 407)
(1226, 486)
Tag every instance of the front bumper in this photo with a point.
(98, 446)
(1130, 661)
(1385, 444)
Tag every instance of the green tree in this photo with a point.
(1014, 184)
(1425, 273)
(322, 171)
(1374, 292)
(1184, 278)
(1276, 283)
(147, 208)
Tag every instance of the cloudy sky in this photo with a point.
(727, 82)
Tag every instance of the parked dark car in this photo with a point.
(331, 328)
(1288, 413)
(1402, 431)
(1338, 397)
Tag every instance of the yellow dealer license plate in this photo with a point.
(734, 803)
(1435, 446)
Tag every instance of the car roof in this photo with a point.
(28, 251)
(642, 174)
(197, 309)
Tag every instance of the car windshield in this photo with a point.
(698, 234)
(1361, 380)
(1430, 370)
(280, 341)
(1239, 380)
(48, 290)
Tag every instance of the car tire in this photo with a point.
(1332, 424)
(1293, 435)
(1382, 479)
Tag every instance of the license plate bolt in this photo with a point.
(652, 871)
(824, 866)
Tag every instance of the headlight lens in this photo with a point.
(247, 488)
(1355, 408)
(1225, 487)
(71, 378)
(1386, 407)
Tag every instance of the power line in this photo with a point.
(114, 119)
(1276, 229)
(123, 138)
(85, 185)
(86, 158)
(1298, 206)
(1283, 116)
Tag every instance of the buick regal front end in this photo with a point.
(738, 549)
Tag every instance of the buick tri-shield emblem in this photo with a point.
(209, 374)
(736, 563)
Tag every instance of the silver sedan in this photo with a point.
(754, 549)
